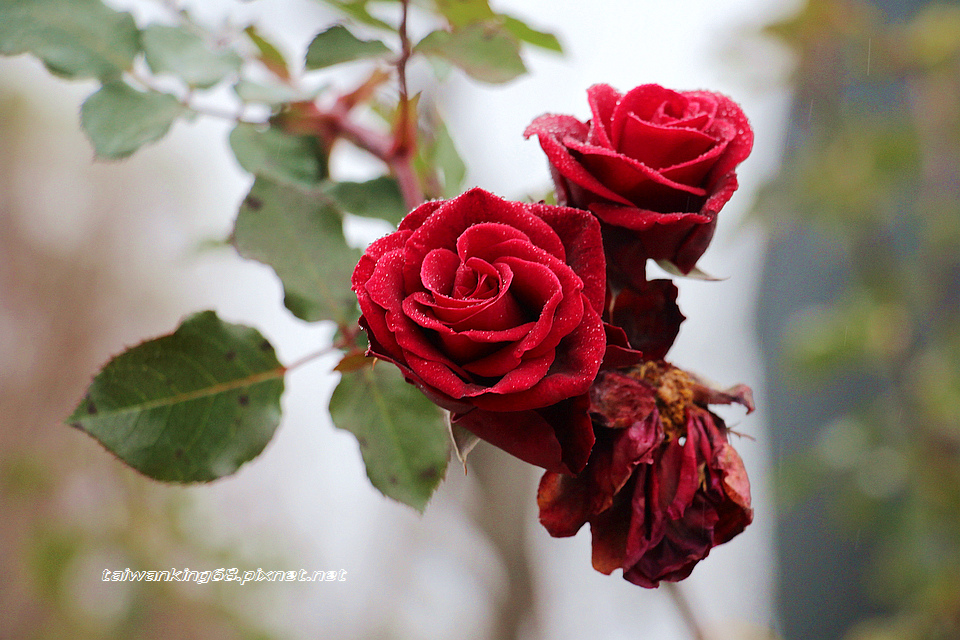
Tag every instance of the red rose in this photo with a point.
(488, 304)
(662, 486)
(654, 164)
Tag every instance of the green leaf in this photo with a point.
(484, 51)
(447, 158)
(460, 13)
(268, 93)
(403, 436)
(277, 155)
(439, 153)
(357, 9)
(120, 119)
(270, 56)
(191, 406)
(525, 33)
(73, 38)
(378, 198)
(337, 44)
(299, 233)
(184, 54)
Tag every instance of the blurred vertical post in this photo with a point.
(859, 318)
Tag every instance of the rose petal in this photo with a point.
(680, 464)
(650, 317)
(610, 533)
(571, 168)
(580, 235)
(569, 375)
(557, 127)
(491, 240)
(650, 102)
(557, 438)
(660, 147)
(563, 501)
(730, 117)
(642, 235)
(635, 182)
(603, 100)
(618, 354)
(439, 271)
(618, 400)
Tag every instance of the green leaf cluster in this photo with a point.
(119, 119)
(337, 44)
(292, 219)
(485, 51)
(73, 38)
(184, 54)
(271, 153)
(194, 405)
(482, 43)
(86, 39)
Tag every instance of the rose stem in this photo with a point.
(404, 142)
(342, 344)
(686, 613)
(396, 151)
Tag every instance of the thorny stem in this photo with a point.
(187, 101)
(404, 145)
(685, 611)
(402, 62)
(345, 343)
(397, 151)
(310, 357)
(409, 185)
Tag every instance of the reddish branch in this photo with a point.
(397, 151)
(405, 134)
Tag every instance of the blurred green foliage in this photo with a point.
(875, 171)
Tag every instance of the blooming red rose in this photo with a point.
(492, 305)
(653, 164)
(662, 486)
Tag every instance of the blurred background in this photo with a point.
(840, 307)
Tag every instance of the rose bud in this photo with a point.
(655, 165)
(649, 315)
(491, 305)
(662, 486)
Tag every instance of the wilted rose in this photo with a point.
(655, 165)
(491, 305)
(663, 485)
